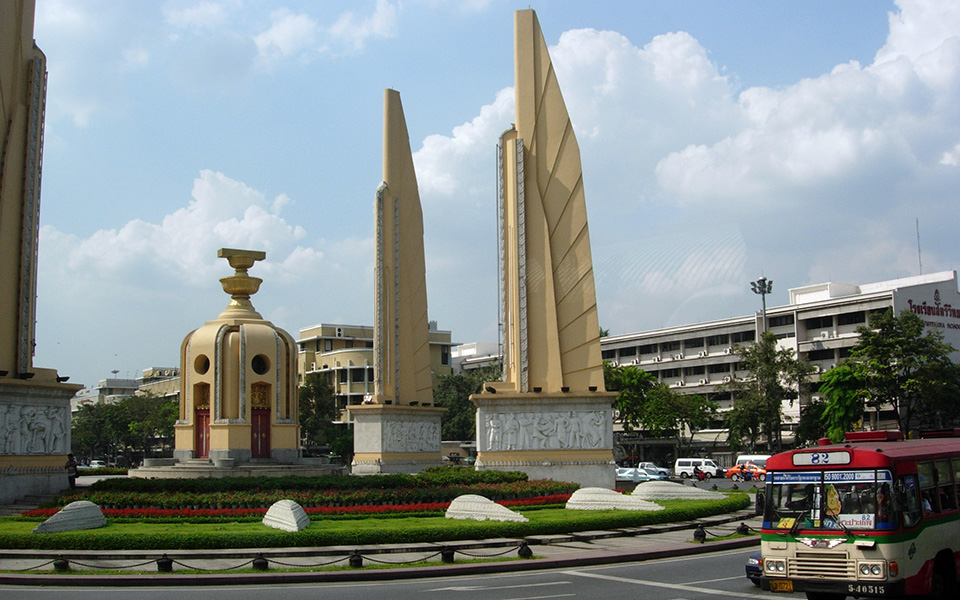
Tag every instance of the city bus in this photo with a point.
(875, 516)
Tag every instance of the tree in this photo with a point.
(632, 385)
(91, 433)
(453, 393)
(146, 419)
(903, 365)
(810, 428)
(776, 376)
(670, 413)
(643, 402)
(133, 425)
(318, 412)
(843, 395)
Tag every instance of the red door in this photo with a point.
(260, 434)
(201, 431)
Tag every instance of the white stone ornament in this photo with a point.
(669, 490)
(593, 498)
(286, 515)
(76, 515)
(478, 508)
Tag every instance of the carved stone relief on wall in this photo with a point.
(563, 430)
(32, 429)
(412, 437)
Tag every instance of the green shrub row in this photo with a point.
(430, 477)
(265, 497)
(543, 522)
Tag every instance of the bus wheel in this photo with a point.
(943, 580)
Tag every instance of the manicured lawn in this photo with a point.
(16, 533)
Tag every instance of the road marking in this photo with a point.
(671, 586)
(713, 580)
(479, 588)
(541, 597)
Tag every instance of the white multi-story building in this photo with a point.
(820, 324)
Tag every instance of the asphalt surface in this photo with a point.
(376, 562)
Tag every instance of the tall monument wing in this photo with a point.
(551, 328)
(401, 329)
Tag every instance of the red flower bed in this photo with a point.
(148, 513)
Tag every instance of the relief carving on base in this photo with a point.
(564, 430)
(412, 437)
(31, 429)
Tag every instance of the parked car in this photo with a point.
(637, 475)
(94, 464)
(652, 466)
(754, 568)
(745, 471)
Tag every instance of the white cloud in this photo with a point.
(354, 31)
(201, 15)
(446, 164)
(157, 281)
(288, 34)
(951, 157)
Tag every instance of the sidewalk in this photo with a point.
(556, 551)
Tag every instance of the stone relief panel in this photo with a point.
(412, 436)
(561, 430)
(33, 429)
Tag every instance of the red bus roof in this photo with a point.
(871, 453)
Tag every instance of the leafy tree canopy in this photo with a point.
(903, 364)
(453, 393)
(776, 376)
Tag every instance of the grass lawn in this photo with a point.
(17, 533)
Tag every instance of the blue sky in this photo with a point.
(720, 141)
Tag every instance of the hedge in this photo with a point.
(362, 532)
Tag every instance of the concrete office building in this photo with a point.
(344, 355)
(819, 324)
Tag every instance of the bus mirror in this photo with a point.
(758, 507)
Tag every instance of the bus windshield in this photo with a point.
(835, 500)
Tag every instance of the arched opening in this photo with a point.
(201, 420)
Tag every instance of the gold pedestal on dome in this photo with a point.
(238, 391)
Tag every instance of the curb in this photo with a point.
(533, 564)
(586, 558)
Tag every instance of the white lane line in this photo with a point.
(479, 588)
(671, 586)
(541, 597)
(702, 581)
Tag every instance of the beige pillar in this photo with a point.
(550, 415)
(397, 429)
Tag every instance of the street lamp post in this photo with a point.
(762, 286)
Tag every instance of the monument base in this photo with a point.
(196, 468)
(34, 435)
(564, 437)
(395, 439)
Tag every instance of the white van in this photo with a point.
(684, 467)
(758, 459)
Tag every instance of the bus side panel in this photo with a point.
(919, 584)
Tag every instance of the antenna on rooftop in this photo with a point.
(919, 256)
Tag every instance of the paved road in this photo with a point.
(716, 575)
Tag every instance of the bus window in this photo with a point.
(948, 499)
(909, 500)
(928, 488)
(885, 513)
(956, 477)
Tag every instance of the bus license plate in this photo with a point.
(781, 585)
